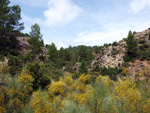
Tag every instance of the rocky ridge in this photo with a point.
(112, 56)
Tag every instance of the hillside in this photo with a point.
(76, 79)
(110, 56)
(39, 78)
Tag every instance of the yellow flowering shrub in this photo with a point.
(15, 105)
(86, 92)
(2, 109)
(3, 96)
(25, 77)
(81, 82)
(125, 71)
(26, 80)
(107, 81)
(58, 88)
(40, 103)
(80, 98)
(126, 91)
(67, 79)
(146, 108)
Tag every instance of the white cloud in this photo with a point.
(137, 6)
(34, 3)
(110, 33)
(30, 20)
(101, 37)
(61, 12)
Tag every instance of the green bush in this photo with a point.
(144, 55)
(141, 41)
(28, 56)
(143, 47)
(115, 44)
(1, 57)
(34, 68)
(15, 65)
(114, 52)
(111, 72)
(125, 64)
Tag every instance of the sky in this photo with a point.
(84, 22)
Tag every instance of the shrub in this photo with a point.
(39, 78)
(40, 103)
(15, 65)
(126, 92)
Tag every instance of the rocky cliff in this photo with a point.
(112, 56)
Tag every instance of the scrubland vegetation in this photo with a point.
(32, 81)
(72, 95)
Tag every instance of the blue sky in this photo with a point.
(84, 22)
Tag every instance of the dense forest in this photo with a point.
(39, 78)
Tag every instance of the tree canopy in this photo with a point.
(52, 52)
(36, 40)
(131, 46)
(9, 19)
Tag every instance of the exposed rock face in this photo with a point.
(23, 41)
(139, 35)
(135, 67)
(76, 67)
(45, 51)
(23, 44)
(111, 56)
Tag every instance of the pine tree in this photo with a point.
(9, 19)
(131, 46)
(52, 52)
(36, 41)
(83, 68)
(83, 53)
(9, 27)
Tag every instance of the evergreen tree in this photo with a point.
(90, 55)
(61, 52)
(36, 41)
(67, 55)
(9, 26)
(131, 46)
(53, 53)
(9, 19)
(83, 68)
(83, 53)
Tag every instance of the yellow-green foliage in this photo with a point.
(25, 77)
(2, 109)
(146, 108)
(67, 79)
(58, 88)
(105, 79)
(3, 99)
(125, 71)
(85, 91)
(126, 91)
(104, 96)
(40, 103)
(26, 80)
(145, 72)
(3, 68)
(15, 105)
(81, 82)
